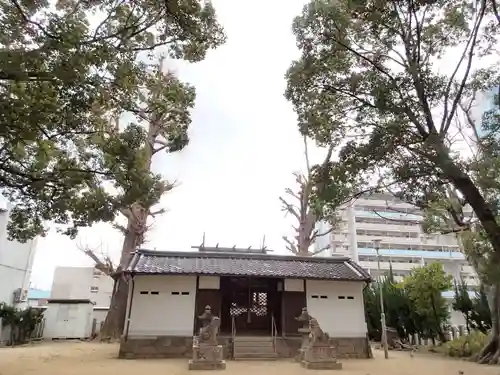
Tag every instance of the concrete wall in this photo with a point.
(338, 307)
(99, 315)
(16, 262)
(163, 305)
(68, 320)
(82, 283)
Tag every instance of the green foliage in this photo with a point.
(7, 313)
(424, 286)
(399, 310)
(368, 82)
(22, 322)
(407, 310)
(463, 303)
(475, 310)
(481, 313)
(66, 74)
(466, 346)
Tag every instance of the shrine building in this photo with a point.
(256, 295)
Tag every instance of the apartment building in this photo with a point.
(402, 242)
(16, 263)
(484, 101)
(82, 283)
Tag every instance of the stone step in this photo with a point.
(255, 356)
(252, 344)
(253, 339)
(255, 350)
(255, 359)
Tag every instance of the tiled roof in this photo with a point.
(206, 263)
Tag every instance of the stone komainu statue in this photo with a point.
(208, 334)
(317, 336)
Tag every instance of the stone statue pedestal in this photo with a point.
(207, 356)
(320, 357)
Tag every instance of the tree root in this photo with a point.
(494, 358)
(490, 353)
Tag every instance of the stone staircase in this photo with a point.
(260, 348)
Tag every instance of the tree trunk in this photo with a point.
(476, 200)
(441, 335)
(473, 196)
(491, 352)
(134, 237)
(114, 323)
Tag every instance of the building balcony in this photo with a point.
(389, 215)
(385, 266)
(444, 255)
(389, 240)
(439, 242)
(468, 270)
(383, 227)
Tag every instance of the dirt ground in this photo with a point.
(100, 359)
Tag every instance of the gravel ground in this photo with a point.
(79, 358)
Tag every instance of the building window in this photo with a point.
(97, 273)
(94, 289)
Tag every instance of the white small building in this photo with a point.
(16, 263)
(68, 319)
(256, 295)
(82, 283)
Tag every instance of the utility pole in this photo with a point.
(382, 311)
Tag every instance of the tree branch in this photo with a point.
(103, 263)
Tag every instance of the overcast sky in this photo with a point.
(244, 146)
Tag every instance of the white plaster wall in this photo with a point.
(163, 306)
(209, 282)
(338, 307)
(294, 285)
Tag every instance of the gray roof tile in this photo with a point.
(206, 263)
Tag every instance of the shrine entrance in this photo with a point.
(251, 303)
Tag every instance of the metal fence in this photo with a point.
(37, 333)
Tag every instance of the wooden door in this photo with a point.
(293, 302)
(206, 297)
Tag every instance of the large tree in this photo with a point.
(424, 286)
(409, 310)
(84, 109)
(67, 70)
(391, 78)
(305, 210)
(162, 118)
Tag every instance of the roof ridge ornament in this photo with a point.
(234, 249)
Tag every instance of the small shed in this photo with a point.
(68, 319)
